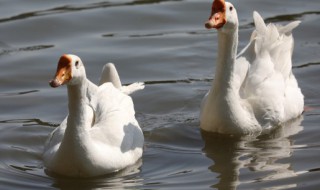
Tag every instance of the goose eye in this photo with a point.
(77, 63)
(231, 8)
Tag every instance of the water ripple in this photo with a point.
(159, 34)
(28, 48)
(291, 17)
(306, 65)
(73, 8)
(30, 122)
(250, 25)
(18, 93)
(188, 81)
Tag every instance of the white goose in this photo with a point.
(100, 135)
(255, 91)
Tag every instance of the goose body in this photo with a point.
(100, 135)
(254, 91)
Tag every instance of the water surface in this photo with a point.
(164, 44)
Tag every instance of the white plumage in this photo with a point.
(100, 135)
(255, 90)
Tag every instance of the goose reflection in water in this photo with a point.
(261, 155)
(123, 179)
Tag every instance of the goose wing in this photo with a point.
(115, 122)
(269, 55)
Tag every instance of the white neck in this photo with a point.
(224, 107)
(77, 103)
(227, 51)
(80, 116)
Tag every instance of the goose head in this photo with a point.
(223, 17)
(70, 71)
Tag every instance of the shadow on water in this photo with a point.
(260, 155)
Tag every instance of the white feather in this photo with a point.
(99, 136)
(110, 74)
(256, 91)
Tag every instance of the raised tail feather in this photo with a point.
(110, 74)
(277, 41)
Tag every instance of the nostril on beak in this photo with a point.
(54, 83)
(208, 24)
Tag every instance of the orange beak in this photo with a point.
(218, 15)
(63, 74)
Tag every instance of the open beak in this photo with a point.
(218, 15)
(63, 74)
